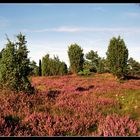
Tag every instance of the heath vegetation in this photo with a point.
(95, 96)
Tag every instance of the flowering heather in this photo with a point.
(114, 125)
(69, 106)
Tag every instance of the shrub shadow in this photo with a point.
(52, 94)
(129, 77)
(84, 89)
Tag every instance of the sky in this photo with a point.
(51, 28)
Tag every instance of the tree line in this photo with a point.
(16, 67)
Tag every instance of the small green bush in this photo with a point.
(84, 72)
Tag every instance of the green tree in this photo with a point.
(102, 66)
(93, 57)
(89, 66)
(39, 69)
(45, 65)
(15, 69)
(75, 53)
(7, 66)
(53, 66)
(117, 56)
(63, 68)
(95, 62)
(34, 69)
(133, 67)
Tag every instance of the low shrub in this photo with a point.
(84, 72)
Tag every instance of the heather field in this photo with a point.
(95, 105)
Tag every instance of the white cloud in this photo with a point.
(132, 14)
(83, 29)
(59, 29)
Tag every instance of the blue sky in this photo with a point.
(51, 28)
